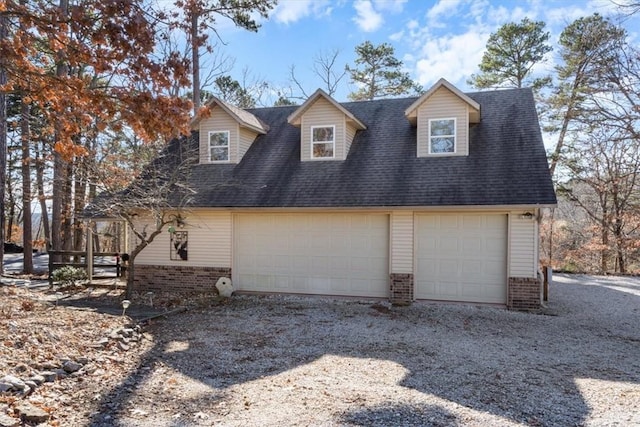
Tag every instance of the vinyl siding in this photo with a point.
(219, 121)
(443, 104)
(523, 257)
(246, 139)
(350, 134)
(322, 113)
(209, 242)
(401, 242)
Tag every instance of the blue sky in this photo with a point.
(434, 38)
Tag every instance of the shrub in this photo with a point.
(69, 276)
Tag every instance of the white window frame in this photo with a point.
(454, 136)
(333, 142)
(228, 146)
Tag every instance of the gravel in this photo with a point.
(297, 361)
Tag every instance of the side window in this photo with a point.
(323, 142)
(219, 146)
(442, 136)
(178, 249)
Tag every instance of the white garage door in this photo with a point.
(461, 257)
(327, 254)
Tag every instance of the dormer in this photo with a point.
(327, 128)
(443, 116)
(227, 132)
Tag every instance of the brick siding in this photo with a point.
(175, 278)
(524, 293)
(401, 288)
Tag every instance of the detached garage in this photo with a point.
(435, 198)
(312, 253)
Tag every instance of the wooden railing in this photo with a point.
(78, 259)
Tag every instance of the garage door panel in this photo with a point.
(461, 257)
(339, 254)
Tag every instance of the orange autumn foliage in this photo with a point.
(112, 73)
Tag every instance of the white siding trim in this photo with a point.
(455, 136)
(228, 132)
(523, 242)
(401, 245)
(312, 142)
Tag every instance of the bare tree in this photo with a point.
(326, 68)
(154, 200)
(3, 137)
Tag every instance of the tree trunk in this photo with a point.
(80, 186)
(605, 245)
(130, 277)
(27, 232)
(67, 216)
(40, 164)
(59, 164)
(3, 140)
(195, 60)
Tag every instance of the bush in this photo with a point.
(69, 276)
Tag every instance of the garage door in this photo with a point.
(461, 257)
(328, 254)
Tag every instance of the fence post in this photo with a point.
(89, 252)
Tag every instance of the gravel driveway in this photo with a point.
(282, 361)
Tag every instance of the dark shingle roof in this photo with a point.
(506, 164)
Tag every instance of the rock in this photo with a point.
(82, 360)
(49, 376)
(5, 386)
(31, 414)
(7, 421)
(126, 332)
(70, 366)
(16, 383)
(38, 379)
(224, 287)
(123, 346)
(48, 366)
(31, 384)
(102, 342)
(60, 373)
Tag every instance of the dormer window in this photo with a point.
(219, 146)
(442, 136)
(323, 142)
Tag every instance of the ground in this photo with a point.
(286, 360)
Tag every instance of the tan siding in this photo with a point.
(209, 242)
(523, 260)
(350, 134)
(443, 104)
(401, 242)
(246, 139)
(322, 113)
(219, 121)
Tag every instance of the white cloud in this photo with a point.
(453, 57)
(393, 6)
(367, 18)
(396, 37)
(288, 12)
(444, 8)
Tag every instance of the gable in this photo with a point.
(218, 121)
(443, 104)
(322, 113)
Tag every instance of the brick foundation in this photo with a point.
(401, 288)
(524, 293)
(176, 278)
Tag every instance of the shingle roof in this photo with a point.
(506, 165)
(243, 117)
